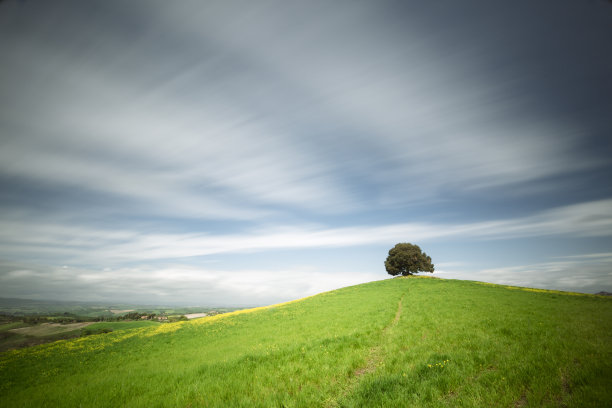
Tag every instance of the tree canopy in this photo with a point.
(406, 259)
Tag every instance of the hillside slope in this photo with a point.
(400, 342)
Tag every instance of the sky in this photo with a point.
(241, 153)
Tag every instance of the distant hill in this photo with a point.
(22, 307)
(414, 341)
(21, 302)
(13, 302)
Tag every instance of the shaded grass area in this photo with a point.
(125, 325)
(447, 343)
(108, 327)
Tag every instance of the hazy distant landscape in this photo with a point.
(26, 322)
(29, 307)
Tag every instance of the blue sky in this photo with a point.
(244, 153)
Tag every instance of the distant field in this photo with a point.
(407, 342)
(47, 329)
(123, 325)
(195, 315)
(120, 311)
(9, 326)
(19, 335)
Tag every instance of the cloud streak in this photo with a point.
(89, 246)
(589, 273)
(152, 134)
(172, 284)
(237, 130)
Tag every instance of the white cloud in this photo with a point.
(432, 125)
(600, 256)
(248, 124)
(202, 111)
(177, 284)
(588, 273)
(93, 246)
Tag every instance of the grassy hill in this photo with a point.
(400, 342)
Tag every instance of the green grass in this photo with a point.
(401, 342)
(125, 325)
(12, 325)
(107, 327)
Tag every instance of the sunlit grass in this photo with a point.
(452, 343)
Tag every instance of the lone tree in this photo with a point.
(407, 259)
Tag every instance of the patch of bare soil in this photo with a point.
(195, 315)
(117, 311)
(521, 402)
(46, 329)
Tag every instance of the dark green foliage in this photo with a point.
(89, 332)
(406, 259)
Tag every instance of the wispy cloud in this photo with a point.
(589, 273)
(154, 133)
(229, 128)
(90, 246)
(173, 284)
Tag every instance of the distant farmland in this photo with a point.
(400, 342)
(47, 329)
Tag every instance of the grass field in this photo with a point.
(48, 329)
(400, 342)
(19, 335)
(123, 325)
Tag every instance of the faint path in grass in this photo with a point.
(397, 314)
(375, 356)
